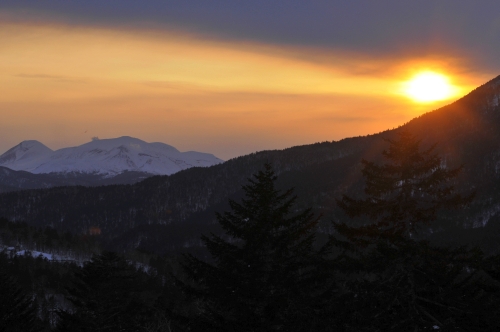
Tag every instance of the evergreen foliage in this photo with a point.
(48, 240)
(105, 297)
(265, 275)
(414, 286)
(394, 282)
(17, 312)
(42, 281)
(408, 191)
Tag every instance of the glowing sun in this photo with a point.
(427, 87)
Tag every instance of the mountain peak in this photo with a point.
(29, 144)
(108, 157)
(23, 153)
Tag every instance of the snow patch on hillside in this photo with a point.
(50, 256)
(484, 217)
(496, 99)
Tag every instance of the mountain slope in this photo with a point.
(14, 180)
(164, 213)
(23, 156)
(11, 180)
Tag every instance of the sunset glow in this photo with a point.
(63, 84)
(428, 87)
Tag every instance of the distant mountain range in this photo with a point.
(124, 159)
(169, 213)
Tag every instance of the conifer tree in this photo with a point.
(17, 312)
(103, 297)
(394, 282)
(407, 192)
(265, 275)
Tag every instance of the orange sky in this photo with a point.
(64, 84)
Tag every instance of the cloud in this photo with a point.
(379, 29)
(57, 78)
(391, 29)
(177, 86)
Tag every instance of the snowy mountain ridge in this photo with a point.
(107, 157)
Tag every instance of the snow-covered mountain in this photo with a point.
(24, 155)
(107, 157)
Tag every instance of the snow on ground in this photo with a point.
(35, 254)
(65, 257)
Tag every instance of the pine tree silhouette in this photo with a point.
(17, 312)
(408, 191)
(102, 296)
(265, 275)
(394, 282)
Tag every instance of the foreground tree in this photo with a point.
(394, 282)
(407, 192)
(105, 297)
(266, 275)
(17, 311)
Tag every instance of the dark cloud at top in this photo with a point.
(373, 27)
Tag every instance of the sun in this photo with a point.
(427, 87)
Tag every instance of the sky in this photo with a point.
(232, 77)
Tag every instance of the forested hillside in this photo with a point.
(163, 212)
(268, 271)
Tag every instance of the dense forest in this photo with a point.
(267, 269)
